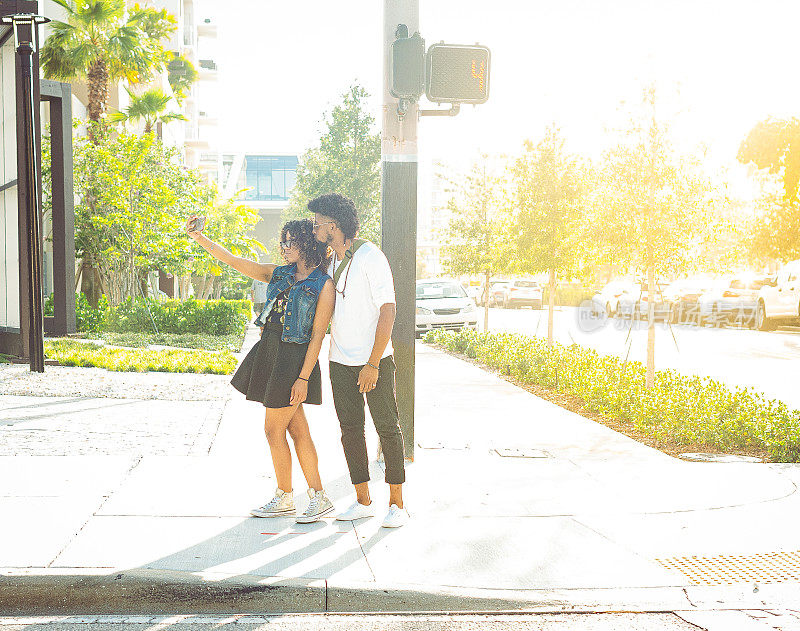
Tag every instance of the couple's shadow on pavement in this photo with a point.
(279, 547)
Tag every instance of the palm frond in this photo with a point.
(100, 14)
(172, 116)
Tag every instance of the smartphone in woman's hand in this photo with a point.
(196, 224)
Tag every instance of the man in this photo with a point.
(361, 361)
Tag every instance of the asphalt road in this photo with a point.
(766, 361)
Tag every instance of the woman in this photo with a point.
(281, 370)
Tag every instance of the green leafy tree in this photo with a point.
(347, 161)
(650, 212)
(549, 194)
(103, 43)
(476, 241)
(148, 107)
(133, 198)
(773, 146)
(229, 223)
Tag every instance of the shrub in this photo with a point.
(72, 353)
(89, 319)
(679, 408)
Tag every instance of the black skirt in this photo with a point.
(269, 370)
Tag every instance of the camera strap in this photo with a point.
(357, 243)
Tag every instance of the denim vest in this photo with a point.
(301, 305)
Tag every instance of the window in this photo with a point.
(427, 291)
(270, 178)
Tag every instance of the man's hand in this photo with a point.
(299, 392)
(367, 378)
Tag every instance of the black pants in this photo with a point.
(349, 403)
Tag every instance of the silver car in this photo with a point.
(443, 304)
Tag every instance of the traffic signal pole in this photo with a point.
(399, 211)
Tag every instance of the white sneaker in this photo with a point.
(318, 506)
(280, 505)
(396, 517)
(357, 511)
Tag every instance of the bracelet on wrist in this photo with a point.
(303, 378)
(373, 365)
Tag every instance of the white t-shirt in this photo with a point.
(367, 285)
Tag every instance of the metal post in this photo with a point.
(399, 213)
(26, 32)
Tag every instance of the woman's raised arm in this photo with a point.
(253, 269)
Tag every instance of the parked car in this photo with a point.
(497, 289)
(443, 304)
(519, 293)
(473, 291)
(606, 299)
(661, 304)
(779, 299)
(732, 300)
(628, 302)
(683, 294)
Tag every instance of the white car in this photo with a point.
(522, 292)
(443, 304)
(779, 300)
(607, 299)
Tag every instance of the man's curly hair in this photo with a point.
(312, 251)
(339, 208)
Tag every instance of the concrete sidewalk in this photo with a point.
(515, 502)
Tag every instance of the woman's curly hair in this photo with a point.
(312, 251)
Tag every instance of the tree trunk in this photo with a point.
(186, 283)
(217, 288)
(651, 325)
(486, 302)
(97, 78)
(205, 286)
(90, 282)
(551, 306)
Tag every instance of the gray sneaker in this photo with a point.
(318, 506)
(280, 505)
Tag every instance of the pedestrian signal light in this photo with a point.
(457, 74)
(407, 80)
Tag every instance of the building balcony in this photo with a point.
(193, 140)
(207, 28)
(204, 119)
(207, 70)
(197, 143)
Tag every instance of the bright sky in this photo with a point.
(566, 61)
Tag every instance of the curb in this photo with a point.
(152, 592)
(156, 592)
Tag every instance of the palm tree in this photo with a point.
(101, 44)
(147, 107)
(181, 75)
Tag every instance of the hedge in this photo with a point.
(679, 409)
(567, 295)
(209, 317)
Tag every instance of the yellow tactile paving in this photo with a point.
(768, 567)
